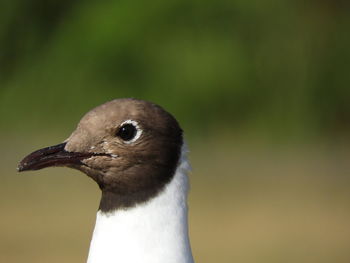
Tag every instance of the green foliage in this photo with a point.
(271, 67)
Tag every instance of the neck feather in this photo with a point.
(151, 232)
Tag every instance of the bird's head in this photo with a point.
(130, 147)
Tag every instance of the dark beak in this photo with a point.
(51, 156)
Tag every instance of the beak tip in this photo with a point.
(20, 168)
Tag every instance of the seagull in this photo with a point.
(135, 152)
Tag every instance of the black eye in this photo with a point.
(127, 132)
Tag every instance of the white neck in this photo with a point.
(153, 232)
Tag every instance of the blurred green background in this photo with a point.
(261, 89)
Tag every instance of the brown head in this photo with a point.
(130, 147)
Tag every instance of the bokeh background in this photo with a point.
(261, 89)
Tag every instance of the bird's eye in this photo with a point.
(127, 132)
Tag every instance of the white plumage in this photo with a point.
(152, 232)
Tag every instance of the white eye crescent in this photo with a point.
(129, 131)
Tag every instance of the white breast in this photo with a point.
(156, 231)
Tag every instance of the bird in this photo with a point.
(135, 151)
